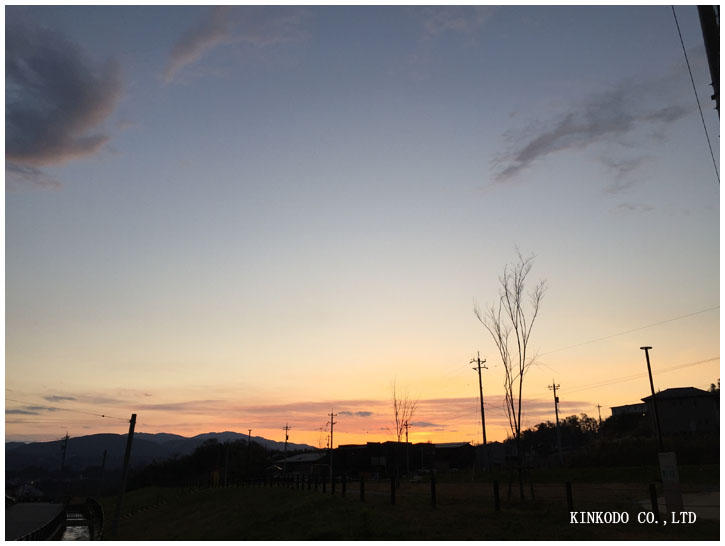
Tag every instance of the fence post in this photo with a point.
(569, 497)
(433, 489)
(332, 484)
(316, 480)
(324, 483)
(496, 498)
(362, 488)
(653, 500)
(531, 485)
(344, 484)
(392, 490)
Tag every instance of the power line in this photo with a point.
(632, 377)
(31, 421)
(535, 363)
(457, 371)
(66, 409)
(694, 89)
(632, 330)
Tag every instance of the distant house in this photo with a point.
(377, 459)
(686, 410)
(305, 463)
(493, 454)
(627, 409)
(454, 455)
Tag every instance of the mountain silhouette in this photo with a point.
(85, 451)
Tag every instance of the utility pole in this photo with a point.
(63, 449)
(286, 437)
(226, 463)
(249, 449)
(710, 26)
(124, 475)
(654, 399)
(286, 429)
(407, 456)
(668, 460)
(554, 386)
(103, 467)
(478, 361)
(599, 409)
(332, 425)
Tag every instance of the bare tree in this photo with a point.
(510, 322)
(403, 411)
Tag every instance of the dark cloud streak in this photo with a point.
(56, 398)
(30, 410)
(606, 117)
(426, 424)
(356, 413)
(55, 101)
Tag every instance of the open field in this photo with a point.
(464, 511)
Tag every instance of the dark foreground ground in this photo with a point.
(464, 511)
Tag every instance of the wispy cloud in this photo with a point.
(30, 410)
(212, 29)
(56, 398)
(55, 100)
(607, 117)
(20, 412)
(465, 410)
(101, 400)
(466, 20)
(356, 413)
(633, 207)
(620, 170)
(426, 424)
(23, 176)
(42, 408)
(199, 407)
(256, 25)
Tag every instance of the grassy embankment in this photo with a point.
(465, 511)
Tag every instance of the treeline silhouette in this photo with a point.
(621, 440)
(211, 463)
(624, 440)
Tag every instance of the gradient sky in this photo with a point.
(241, 217)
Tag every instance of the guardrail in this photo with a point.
(95, 519)
(50, 531)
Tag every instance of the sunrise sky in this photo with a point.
(224, 218)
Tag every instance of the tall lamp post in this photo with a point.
(654, 399)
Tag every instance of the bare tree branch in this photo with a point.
(403, 410)
(510, 324)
